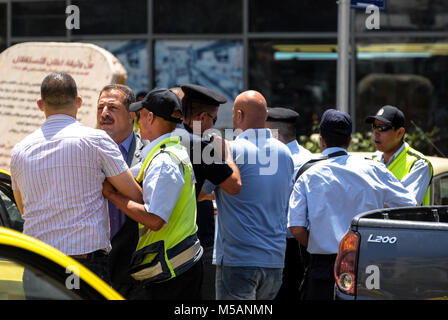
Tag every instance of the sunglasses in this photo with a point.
(381, 128)
(214, 119)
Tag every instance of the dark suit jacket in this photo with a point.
(125, 240)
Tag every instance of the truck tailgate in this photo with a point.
(406, 262)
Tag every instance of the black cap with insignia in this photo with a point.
(200, 94)
(162, 102)
(282, 115)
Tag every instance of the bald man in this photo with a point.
(251, 226)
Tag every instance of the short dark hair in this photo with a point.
(129, 96)
(335, 139)
(286, 130)
(58, 90)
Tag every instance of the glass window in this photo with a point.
(198, 16)
(214, 64)
(217, 65)
(133, 55)
(43, 18)
(19, 282)
(112, 16)
(408, 73)
(3, 26)
(292, 15)
(14, 217)
(405, 15)
(440, 190)
(299, 74)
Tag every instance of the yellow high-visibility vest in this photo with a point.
(164, 254)
(403, 163)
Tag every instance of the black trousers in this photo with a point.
(320, 277)
(296, 258)
(187, 286)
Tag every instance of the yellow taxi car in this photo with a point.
(27, 263)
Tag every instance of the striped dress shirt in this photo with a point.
(59, 170)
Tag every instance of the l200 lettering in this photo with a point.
(382, 239)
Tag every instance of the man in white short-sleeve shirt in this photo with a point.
(57, 177)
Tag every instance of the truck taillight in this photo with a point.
(345, 265)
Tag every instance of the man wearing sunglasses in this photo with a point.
(200, 111)
(408, 165)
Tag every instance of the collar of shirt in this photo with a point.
(293, 146)
(60, 117)
(147, 149)
(253, 134)
(185, 126)
(126, 144)
(332, 150)
(400, 150)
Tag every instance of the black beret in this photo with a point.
(282, 115)
(203, 95)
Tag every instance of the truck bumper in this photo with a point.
(339, 295)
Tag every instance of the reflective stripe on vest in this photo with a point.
(163, 254)
(403, 163)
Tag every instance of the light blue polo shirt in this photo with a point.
(251, 226)
(328, 195)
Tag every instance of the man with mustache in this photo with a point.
(113, 116)
(407, 164)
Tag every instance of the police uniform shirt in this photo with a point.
(300, 155)
(162, 182)
(328, 195)
(417, 180)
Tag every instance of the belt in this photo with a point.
(97, 253)
(176, 261)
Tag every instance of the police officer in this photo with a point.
(200, 111)
(167, 260)
(411, 167)
(329, 194)
(284, 120)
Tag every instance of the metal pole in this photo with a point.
(245, 45)
(342, 80)
(353, 60)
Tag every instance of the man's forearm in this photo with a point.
(126, 185)
(135, 211)
(301, 235)
(232, 185)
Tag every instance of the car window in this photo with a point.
(20, 282)
(13, 214)
(440, 190)
(10, 216)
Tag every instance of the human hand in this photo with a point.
(205, 196)
(221, 147)
(108, 189)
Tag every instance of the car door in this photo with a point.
(33, 270)
(10, 216)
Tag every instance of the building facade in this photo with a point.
(285, 49)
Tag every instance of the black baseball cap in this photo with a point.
(336, 122)
(280, 114)
(162, 102)
(390, 115)
(203, 95)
